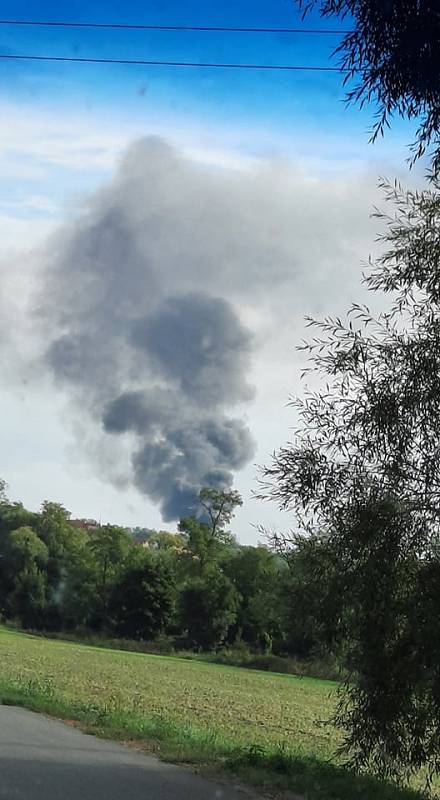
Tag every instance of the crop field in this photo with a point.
(215, 710)
(241, 705)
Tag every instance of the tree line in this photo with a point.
(198, 586)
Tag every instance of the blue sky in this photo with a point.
(262, 114)
(282, 103)
(64, 127)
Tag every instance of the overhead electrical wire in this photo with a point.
(162, 63)
(169, 63)
(183, 28)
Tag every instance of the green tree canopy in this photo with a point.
(142, 602)
(208, 606)
(27, 548)
(363, 472)
(207, 535)
(256, 574)
(27, 597)
(109, 547)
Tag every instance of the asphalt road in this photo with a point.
(43, 759)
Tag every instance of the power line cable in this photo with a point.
(182, 28)
(160, 63)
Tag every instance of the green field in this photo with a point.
(266, 727)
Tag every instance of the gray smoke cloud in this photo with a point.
(147, 299)
(198, 343)
(196, 346)
(148, 357)
(180, 452)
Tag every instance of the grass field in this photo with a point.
(267, 728)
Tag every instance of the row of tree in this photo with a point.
(197, 585)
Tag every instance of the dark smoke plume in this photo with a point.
(148, 349)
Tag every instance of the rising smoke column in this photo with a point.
(143, 348)
(198, 350)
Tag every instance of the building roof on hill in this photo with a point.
(85, 524)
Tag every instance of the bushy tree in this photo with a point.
(314, 599)
(12, 517)
(208, 606)
(28, 599)
(64, 544)
(363, 472)
(28, 557)
(200, 548)
(26, 548)
(54, 529)
(75, 596)
(256, 574)
(142, 602)
(108, 547)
